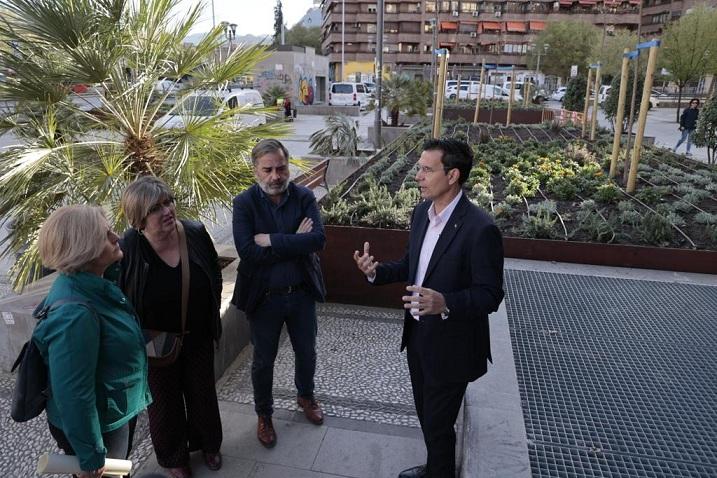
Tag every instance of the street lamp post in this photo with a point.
(537, 64)
(230, 32)
(343, 30)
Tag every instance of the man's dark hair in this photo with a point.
(456, 154)
(695, 100)
(266, 146)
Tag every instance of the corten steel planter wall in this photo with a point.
(345, 284)
(491, 116)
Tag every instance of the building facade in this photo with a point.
(298, 70)
(499, 32)
(657, 13)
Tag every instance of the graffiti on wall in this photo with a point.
(306, 90)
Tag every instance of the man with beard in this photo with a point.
(277, 233)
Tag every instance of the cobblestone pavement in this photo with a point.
(360, 373)
(617, 377)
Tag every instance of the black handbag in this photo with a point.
(163, 348)
(32, 387)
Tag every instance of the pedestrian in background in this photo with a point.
(90, 341)
(688, 124)
(277, 233)
(184, 416)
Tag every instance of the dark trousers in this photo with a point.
(437, 406)
(298, 312)
(184, 414)
(117, 442)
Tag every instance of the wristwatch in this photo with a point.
(444, 314)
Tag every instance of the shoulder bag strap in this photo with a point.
(184, 258)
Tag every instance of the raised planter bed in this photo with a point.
(494, 115)
(346, 284)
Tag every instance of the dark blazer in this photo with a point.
(200, 247)
(249, 218)
(467, 268)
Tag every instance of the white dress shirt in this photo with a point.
(436, 223)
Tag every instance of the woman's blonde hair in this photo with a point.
(140, 196)
(72, 237)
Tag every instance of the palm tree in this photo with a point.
(401, 93)
(339, 138)
(70, 155)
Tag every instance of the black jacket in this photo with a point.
(133, 268)
(467, 268)
(249, 219)
(688, 118)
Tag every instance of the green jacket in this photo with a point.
(97, 363)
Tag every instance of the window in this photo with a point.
(410, 27)
(430, 7)
(445, 6)
(360, 88)
(413, 8)
(391, 8)
(390, 27)
(454, 5)
(427, 27)
(469, 6)
(370, 28)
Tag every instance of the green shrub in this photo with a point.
(648, 195)
(339, 213)
(574, 99)
(655, 229)
(705, 218)
(539, 226)
(626, 205)
(563, 188)
(502, 210)
(631, 217)
(513, 200)
(682, 206)
(607, 193)
(696, 196)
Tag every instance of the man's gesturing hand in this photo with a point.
(425, 301)
(365, 262)
(307, 225)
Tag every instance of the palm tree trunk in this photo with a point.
(394, 117)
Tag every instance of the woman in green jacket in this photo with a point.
(90, 340)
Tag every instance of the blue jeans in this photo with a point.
(298, 312)
(686, 136)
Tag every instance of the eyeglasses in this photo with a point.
(160, 205)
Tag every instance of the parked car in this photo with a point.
(559, 93)
(169, 85)
(488, 92)
(348, 94)
(654, 96)
(203, 104)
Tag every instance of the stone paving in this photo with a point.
(360, 373)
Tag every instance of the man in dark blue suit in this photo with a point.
(454, 271)
(277, 233)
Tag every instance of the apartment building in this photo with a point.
(501, 32)
(657, 13)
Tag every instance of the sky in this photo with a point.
(254, 17)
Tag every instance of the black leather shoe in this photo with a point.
(415, 472)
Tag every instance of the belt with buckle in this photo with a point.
(288, 290)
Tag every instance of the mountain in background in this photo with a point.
(249, 39)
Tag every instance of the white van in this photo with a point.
(488, 92)
(348, 94)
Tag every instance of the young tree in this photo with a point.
(688, 50)
(574, 98)
(299, 35)
(339, 138)
(278, 22)
(706, 132)
(569, 43)
(68, 154)
(610, 56)
(610, 104)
